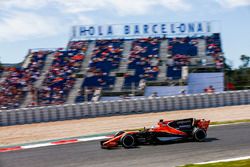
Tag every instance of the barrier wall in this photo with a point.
(197, 82)
(164, 90)
(119, 107)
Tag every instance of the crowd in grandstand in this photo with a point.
(85, 95)
(214, 49)
(144, 60)
(19, 81)
(60, 78)
(105, 57)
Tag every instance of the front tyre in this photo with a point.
(128, 141)
(199, 134)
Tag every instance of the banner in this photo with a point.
(87, 32)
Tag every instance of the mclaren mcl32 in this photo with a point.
(165, 131)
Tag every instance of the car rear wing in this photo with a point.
(202, 124)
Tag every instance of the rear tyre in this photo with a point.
(128, 141)
(199, 134)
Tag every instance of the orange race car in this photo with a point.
(165, 131)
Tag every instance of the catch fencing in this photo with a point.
(121, 107)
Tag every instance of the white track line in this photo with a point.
(36, 145)
(93, 138)
(225, 160)
(59, 142)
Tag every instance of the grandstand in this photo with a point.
(106, 69)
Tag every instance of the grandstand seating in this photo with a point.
(213, 45)
(144, 59)
(183, 46)
(143, 63)
(20, 80)
(61, 75)
(85, 95)
(105, 57)
(174, 72)
(213, 48)
(1, 70)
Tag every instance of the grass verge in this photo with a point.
(240, 163)
(230, 122)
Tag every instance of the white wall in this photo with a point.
(197, 82)
(164, 90)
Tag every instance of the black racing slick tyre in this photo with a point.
(199, 134)
(128, 141)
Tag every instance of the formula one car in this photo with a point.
(165, 131)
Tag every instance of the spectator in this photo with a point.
(209, 89)
(183, 92)
(154, 94)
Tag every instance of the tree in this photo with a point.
(227, 65)
(238, 78)
(245, 60)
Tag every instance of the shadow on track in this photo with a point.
(211, 139)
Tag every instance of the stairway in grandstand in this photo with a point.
(3, 76)
(163, 57)
(37, 83)
(86, 61)
(48, 63)
(201, 47)
(125, 55)
(28, 96)
(84, 69)
(123, 65)
(118, 84)
(207, 60)
(27, 60)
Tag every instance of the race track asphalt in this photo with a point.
(223, 142)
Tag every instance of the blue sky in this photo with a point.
(26, 24)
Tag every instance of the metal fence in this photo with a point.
(120, 107)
